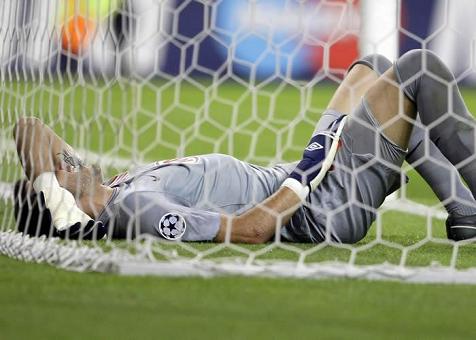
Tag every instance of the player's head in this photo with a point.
(81, 183)
(32, 217)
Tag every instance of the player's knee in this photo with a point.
(418, 62)
(408, 67)
(417, 66)
(377, 62)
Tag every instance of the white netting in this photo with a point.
(131, 82)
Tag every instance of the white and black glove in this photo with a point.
(69, 221)
(316, 161)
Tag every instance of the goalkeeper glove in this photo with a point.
(316, 161)
(68, 220)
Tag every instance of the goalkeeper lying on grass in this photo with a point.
(348, 168)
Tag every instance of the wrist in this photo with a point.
(302, 191)
(45, 181)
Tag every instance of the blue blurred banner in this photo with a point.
(269, 38)
(255, 40)
(445, 27)
(416, 21)
(279, 38)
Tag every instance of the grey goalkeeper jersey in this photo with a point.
(192, 190)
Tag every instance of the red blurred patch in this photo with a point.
(342, 42)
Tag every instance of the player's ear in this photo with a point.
(31, 215)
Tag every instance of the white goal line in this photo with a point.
(76, 257)
(324, 270)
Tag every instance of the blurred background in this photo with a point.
(255, 41)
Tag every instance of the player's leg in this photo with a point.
(427, 85)
(423, 154)
(364, 130)
(361, 75)
(420, 81)
(331, 222)
(384, 135)
(440, 174)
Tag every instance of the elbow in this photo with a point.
(23, 122)
(250, 233)
(241, 229)
(22, 126)
(259, 236)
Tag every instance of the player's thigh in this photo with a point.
(347, 96)
(391, 108)
(366, 138)
(345, 205)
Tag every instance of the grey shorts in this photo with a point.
(366, 170)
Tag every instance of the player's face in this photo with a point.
(82, 182)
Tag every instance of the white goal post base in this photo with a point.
(77, 257)
(324, 270)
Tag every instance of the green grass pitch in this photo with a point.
(271, 123)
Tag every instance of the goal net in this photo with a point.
(128, 83)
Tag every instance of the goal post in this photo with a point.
(127, 83)
(378, 33)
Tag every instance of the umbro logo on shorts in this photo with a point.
(314, 146)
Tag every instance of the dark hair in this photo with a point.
(31, 214)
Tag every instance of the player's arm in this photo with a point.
(260, 223)
(42, 154)
(40, 150)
